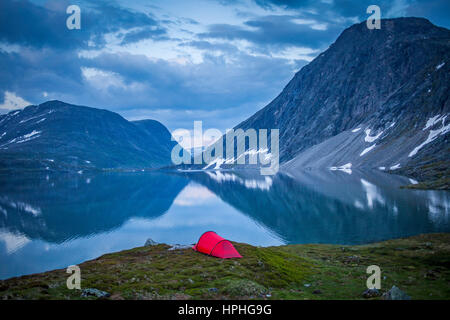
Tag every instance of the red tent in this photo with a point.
(212, 244)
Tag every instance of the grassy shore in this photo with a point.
(431, 174)
(419, 266)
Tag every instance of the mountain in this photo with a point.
(58, 135)
(373, 99)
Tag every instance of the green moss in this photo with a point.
(244, 287)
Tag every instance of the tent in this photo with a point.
(212, 244)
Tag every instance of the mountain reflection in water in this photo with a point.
(53, 220)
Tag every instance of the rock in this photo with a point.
(395, 294)
(179, 247)
(190, 280)
(150, 242)
(431, 274)
(371, 293)
(317, 291)
(352, 259)
(94, 292)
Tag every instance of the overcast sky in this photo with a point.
(174, 61)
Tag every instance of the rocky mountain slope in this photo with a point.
(374, 99)
(57, 135)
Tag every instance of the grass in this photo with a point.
(419, 265)
(442, 183)
(434, 175)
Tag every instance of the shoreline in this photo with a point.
(441, 183)
(418, 265)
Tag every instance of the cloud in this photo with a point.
(223, 89)
(23, 22)
(155, 33)
(277, 32)
(173, 63)
(11, 102)
(434, 10)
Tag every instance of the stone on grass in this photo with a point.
(371, 293)
(180, 247)
(395, 294)
(150, 242)
(352, 259)
(91, 292)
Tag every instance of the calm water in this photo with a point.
(50, 221)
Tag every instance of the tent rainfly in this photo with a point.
(212, 244)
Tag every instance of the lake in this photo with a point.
(53, 220)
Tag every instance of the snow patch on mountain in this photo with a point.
(26, 137)
(395, 167)
(433, 120)
(369, 138)
(440, 65)
(367, 150)
(433, 133)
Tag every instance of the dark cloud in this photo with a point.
(275, 31)
(285, 3)
(228, 85)
(145, 33)
(434, 10)
(135, 83)
(437, 11)
(33, 71)
(215, 83)
(23, 22)
(208, 46)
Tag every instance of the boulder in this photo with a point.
(395, 294)
(180, 247)
(89, 292)
(150, 242)
(371, 293)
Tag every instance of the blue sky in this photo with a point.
(174, 61)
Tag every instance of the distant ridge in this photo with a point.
(56, 136)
